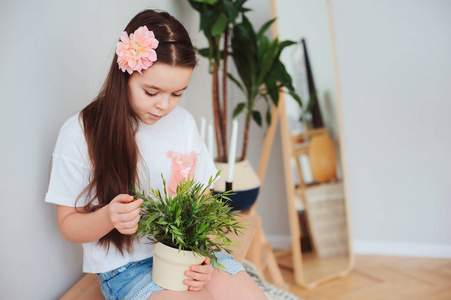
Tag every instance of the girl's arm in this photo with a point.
(121, 213)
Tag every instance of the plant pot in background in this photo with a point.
(170, 264)
(246, 184)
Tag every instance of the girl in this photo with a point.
(130, 134)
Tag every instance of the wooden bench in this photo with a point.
(88, 287)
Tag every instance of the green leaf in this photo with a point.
(265, 27)
(268, 110)
(285, 44)
(245, 54)
(234, 80)
(257, 117)
(238, 109)
(239, 4)
(207, 18)
(220, 25)
(206, 1)
(268, 59)
(204, 52)
(263, 44)
(231, 10)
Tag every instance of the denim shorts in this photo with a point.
(133, 281)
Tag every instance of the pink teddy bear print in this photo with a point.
(183, 166)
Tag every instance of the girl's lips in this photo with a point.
(155, 117)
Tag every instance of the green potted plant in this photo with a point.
(261, 75)
(216, 20)
(185, 227)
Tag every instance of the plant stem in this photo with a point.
(224, 93)
(217, 109)
(246, 136)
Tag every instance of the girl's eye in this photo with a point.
(176, 95)
(150, 94)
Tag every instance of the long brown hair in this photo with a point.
(110, 124)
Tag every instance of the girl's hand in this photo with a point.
(200, 275)
(125, 214)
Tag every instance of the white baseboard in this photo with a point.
(401, 249)
(278, 241)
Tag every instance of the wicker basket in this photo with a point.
(327, 219)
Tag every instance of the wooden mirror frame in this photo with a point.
(295, 229)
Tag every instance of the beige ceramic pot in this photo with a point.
(170, 264)
(246, 184)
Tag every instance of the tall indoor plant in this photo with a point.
(261, 75)
(216, 20)
(256, 58)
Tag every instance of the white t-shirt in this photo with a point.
(171, 147)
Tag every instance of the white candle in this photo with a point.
(232, 152)
(210, 140)
(202, 129)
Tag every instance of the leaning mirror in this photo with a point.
(313, 160)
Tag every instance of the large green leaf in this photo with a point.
(245, 54)
(249, 33)
(268, 59)
(238, 84)
(263, 45)
(231, 10)
(196, 5)
(219, 25)
(239, 4)
(272, 89)
(206, 1)
(207, 19)
(265, 27)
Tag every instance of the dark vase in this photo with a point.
(317, 119)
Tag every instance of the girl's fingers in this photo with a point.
(126, 218)
(194, 285)
(128, 231)
(127, 211)
(128, 227)
(206, 268)
(123, 198)
(126, 208)
(197, 276)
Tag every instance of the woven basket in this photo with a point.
(327, 219)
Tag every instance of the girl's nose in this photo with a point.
(162, 102)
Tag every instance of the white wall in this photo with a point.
(54, 56)
(395, 73)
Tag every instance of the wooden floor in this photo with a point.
(384, 277)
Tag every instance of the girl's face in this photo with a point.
(156, 92)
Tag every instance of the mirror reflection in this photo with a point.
(321, 247)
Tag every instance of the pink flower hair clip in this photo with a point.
(137, 52)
